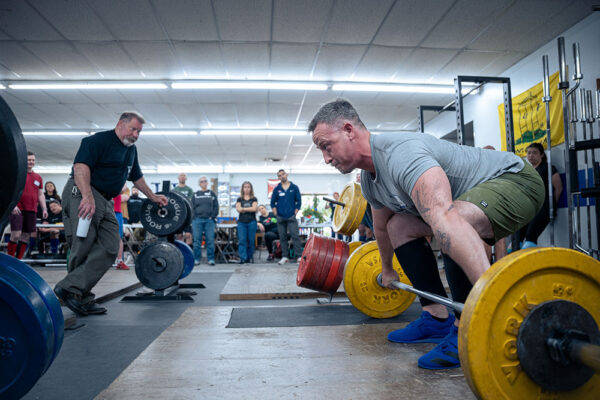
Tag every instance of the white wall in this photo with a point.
(482, 108)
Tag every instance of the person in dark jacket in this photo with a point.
(285, 202)
(206, 209)
(134, 205)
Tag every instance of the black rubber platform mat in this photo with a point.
(317, 315)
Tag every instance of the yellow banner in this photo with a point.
(529, 118)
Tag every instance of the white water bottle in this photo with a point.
(83, 226)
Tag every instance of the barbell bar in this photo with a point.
(431, 296)
(329, 200)
(578, 350)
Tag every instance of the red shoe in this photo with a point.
(122, 265)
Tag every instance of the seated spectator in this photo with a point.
(54, 235)
(267, 223)
(134, 206)
(50, 193)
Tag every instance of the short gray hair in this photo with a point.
(334, 111)
(129, 115)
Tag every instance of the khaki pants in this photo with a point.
(93, 255)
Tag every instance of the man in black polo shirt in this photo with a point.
(103, 163)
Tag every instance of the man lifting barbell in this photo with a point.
(421, 186)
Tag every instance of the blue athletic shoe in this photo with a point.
(444, 355)
(426, 329)
(528, 244)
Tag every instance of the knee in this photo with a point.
(402, 228)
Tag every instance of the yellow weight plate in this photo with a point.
(500, 300)
(346, 219)
(360, 284)
(353, 246)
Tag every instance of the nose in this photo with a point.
(326, 157)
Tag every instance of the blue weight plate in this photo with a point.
(26, 335)
(188, 258)
(48, 296)
(13, 158)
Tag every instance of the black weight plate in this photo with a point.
(190, 214)
(167, 220)
(188, 258)
(159, 265)
(45, 291)
(544, 321)
(188, 205)
(26, 335)
(13, 161)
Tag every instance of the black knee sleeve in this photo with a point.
(419, 264)
(460, 286)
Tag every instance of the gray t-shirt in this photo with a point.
(400, 158)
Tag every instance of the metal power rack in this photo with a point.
(573, 146)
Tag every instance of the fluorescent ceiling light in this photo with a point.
(55, 133)
(392, 87)
(250, 85)
(320, 171)
(2, 87)
(168, 133)
(176, 169)
(85, 85)
(53, 169)
(249, 132)
(252, 170)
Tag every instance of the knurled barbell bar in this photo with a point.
(535, 311)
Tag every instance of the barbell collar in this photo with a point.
(430, 296)
(339, 203)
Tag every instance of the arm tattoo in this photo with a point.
(444, 239)
(420, 206)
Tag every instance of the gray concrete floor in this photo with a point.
(184, 351)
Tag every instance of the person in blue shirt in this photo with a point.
(285, 202)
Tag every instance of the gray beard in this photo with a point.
(127, 142)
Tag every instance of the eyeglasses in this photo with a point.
(203, 181)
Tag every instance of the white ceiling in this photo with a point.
(426, 41)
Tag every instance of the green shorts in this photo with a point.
(509, 201)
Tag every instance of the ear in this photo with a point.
(348, 129)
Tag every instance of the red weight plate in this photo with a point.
(335, 277)
(324, 264)
(304, 261)
(342, 265)
(308, 261)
